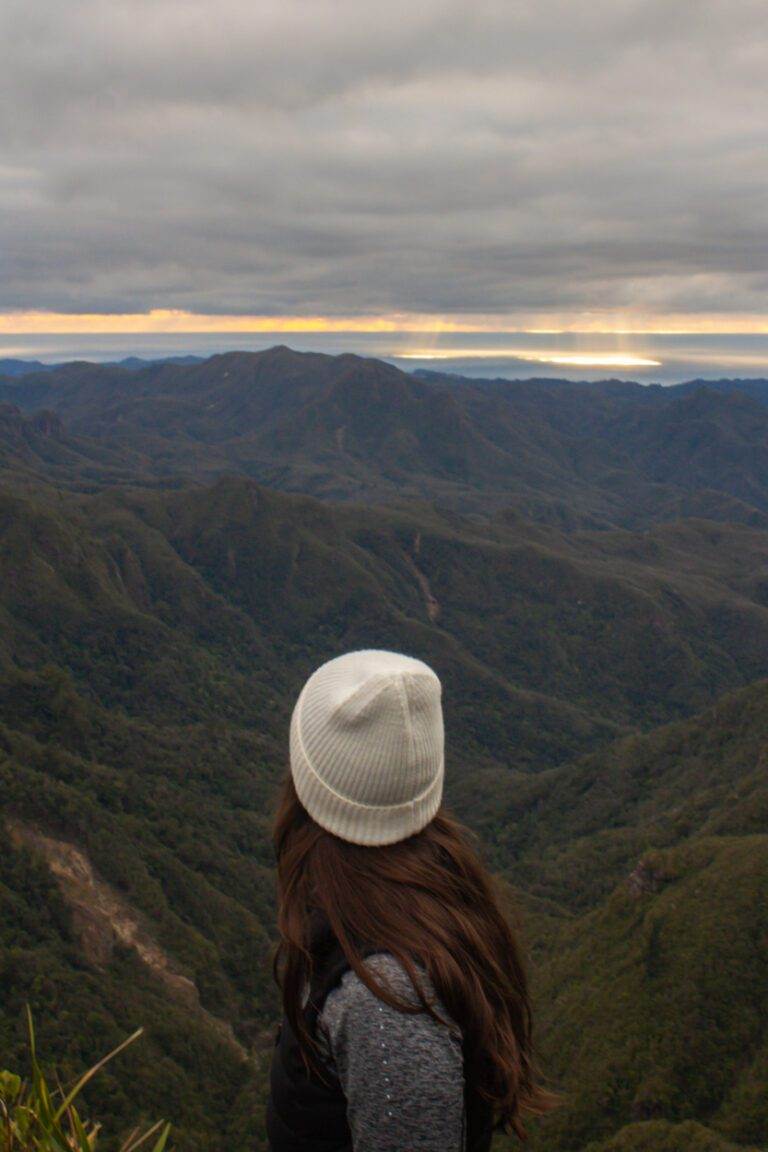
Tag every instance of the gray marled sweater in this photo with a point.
(402, 1074)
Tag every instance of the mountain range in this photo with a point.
(609, 454)
(586, 567)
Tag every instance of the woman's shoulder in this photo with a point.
(401, 1072)
(353, 1004)
(391, 974)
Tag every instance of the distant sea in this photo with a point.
(574, 355)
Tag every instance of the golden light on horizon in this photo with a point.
(168, 321)
(598, 360)
(574, 359)
(161, 321)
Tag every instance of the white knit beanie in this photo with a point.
(367, 746)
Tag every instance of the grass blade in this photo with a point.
(92, 1072)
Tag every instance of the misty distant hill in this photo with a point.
(135, 363)
(11, 367)
(14, 367)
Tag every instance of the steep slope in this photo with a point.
(654, 1005)
(644, 869)
(113, 914)
(595, 817)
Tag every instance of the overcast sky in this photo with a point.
(344, 157)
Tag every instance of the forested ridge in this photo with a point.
(585, 566)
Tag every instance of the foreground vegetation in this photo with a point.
(36, 1117)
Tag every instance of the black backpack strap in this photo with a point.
(330, 966)
(307, 1110)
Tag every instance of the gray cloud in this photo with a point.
(340, 156)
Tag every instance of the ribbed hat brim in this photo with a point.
(365, 824)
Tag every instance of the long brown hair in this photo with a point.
(427, 901)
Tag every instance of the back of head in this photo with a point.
(362, 842)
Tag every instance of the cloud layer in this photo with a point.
(340, 157)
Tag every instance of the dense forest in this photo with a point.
(584, 565)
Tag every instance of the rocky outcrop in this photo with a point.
(102, 919)
(46, 423)
(645, 879)
(16, 428)
(431, 604)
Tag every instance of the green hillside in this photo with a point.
(596, 816)
(181, 607)
(654, 1005)
(644, 874)
(172, 937)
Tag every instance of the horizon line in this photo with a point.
(161, 321)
